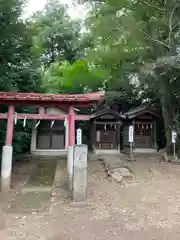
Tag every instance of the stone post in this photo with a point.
(7, 152)
(79, 183)
(70, 163)
(6, 168)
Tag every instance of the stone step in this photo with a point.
(115, 168)
(140, 156)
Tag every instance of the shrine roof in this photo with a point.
(42, 97)
(137, 111)
(107, 111)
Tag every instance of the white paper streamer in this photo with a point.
(15, 119)
(37, 124)
(24, 122)
(52, 123)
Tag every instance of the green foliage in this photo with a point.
(74, 78)
(55, 34)
(140, 38)
(18, 71)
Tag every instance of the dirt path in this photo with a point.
(149, 208)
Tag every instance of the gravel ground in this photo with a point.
(147, 208)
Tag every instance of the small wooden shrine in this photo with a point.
(110, 130)
(105, 131)
(144, 120)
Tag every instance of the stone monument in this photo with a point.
(79, 180)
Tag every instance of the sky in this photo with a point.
(74, 12)
(34, 5)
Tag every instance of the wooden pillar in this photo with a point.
(71, 120)
(93, 135)
(155, 134)
(41, 110)
(118, 134)
(66, 134)
(7, 151)
(10, 126)
(134, 144)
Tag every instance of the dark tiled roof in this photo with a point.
(133, 112)
(106, 111)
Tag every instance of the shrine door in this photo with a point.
(51, 136)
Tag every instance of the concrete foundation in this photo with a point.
(79, 184)
(106, 151)
(6, 168)
(49, 152)
(70, 166)
(145, 150)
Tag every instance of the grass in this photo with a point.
(44, 174)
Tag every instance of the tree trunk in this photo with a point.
(52, 50)
(165, 97)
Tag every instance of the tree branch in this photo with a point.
(175, 25)
(155, 40)
(165, 62)
(158, 8)
(172, 13)
(170, 20)
(165, 2)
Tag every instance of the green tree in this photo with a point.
(18, 71)
(74, 78)
(55, 34)
(141, 38)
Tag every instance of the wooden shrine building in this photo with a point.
(110, 130)
(105, 131)
(50, 137)
(144, 120)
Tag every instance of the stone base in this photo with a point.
(70, 162)
(79, 204)
(6, 168)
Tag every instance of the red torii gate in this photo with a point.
(12, 99)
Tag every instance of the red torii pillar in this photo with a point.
(71, 143)
(71, 121)
(7, 152)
